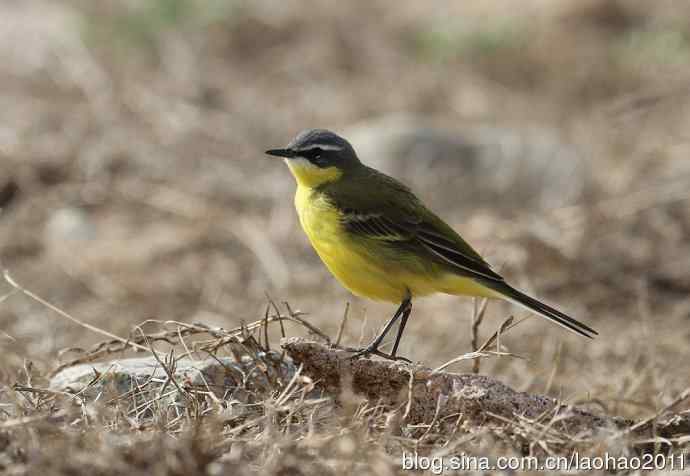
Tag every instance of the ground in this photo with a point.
(133, 186)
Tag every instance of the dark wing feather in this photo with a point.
(374, 225)
(420, 234)
(390, 213)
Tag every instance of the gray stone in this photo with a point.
(69, 225)
(144, 380)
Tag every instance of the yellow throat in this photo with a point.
(309, 175)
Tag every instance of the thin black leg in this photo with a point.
(403, 322)
(377, 341)
(373, 348)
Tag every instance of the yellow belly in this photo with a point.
(366, 271)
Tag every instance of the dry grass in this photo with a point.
(133, 190)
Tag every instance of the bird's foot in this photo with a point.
(374, 350)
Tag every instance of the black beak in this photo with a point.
(287, 153)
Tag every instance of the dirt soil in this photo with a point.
(133, 187)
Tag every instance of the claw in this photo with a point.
(375, 351)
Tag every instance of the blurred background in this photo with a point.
(553, 136)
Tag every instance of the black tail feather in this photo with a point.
(540, 308)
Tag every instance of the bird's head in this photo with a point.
(318, 156)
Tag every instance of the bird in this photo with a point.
(381, 242)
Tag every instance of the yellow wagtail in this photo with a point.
(381, 242)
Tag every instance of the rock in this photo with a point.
(475, 165)
(68, 225)
(143, 379)
(479, 398)
(237, 386)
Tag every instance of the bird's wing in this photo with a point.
(390, 213)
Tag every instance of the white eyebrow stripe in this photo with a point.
(320, 146)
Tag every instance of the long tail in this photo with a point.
(522, 299)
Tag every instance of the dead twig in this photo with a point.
(478, 312)
(10, 280)
(482, 352)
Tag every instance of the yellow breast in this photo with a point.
(367, 270)
(357, 268)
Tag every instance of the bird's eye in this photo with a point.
(313, 155)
